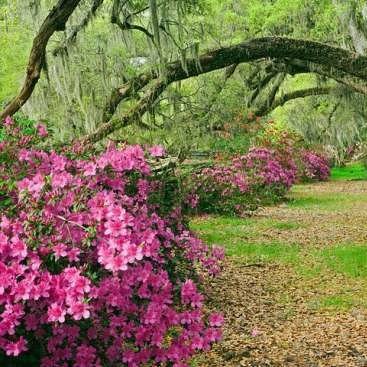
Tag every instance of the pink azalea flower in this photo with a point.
(60, 250)
(16, 348)
(115, 228)
(216, 319)
(79, 310)
(90, 169)
(8, 121)
(157, 151)
(60, 180)
(73, 254)
(42, 130)
(18, 248)
(56, 313)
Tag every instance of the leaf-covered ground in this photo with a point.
(294, 288)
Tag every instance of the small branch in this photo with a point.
(330, 117)
(261, 85)
(125, 91)
(261, 111)
(126, 25)
(62, 49)
(71, 222)
(253, 265)
(302, 93)
(228, 72)
(131, 116)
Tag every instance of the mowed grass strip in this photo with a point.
(351, 172)
(325, 201)
(350, 260)
(237, 236)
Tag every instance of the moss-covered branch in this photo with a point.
(63, 48)
(302, 93)
(334, 59)
(55, 21)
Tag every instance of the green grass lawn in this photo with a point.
(328, 278)
(354, 171)
(302, 196)
(350, 260)
(324, 201)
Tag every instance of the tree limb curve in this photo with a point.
(301, 93)
(55, 21)
(332, 58)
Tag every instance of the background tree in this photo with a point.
(114, 51)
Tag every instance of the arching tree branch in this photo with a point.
(267, 47)
(55, 21)
(287, 65)
(302, 93)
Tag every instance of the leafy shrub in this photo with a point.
(311, 165)
(314, 166)
(220, 189)
(260, 176)
(25, 125)
(91, 272)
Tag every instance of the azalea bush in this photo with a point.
(311, 164)
(260, 176)
(219, 189)
(92, 271)
(314, 166)
(268, 167)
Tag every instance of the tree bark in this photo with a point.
(267, 47)
(55, 21)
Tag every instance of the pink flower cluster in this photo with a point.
(267, 167)
(315, 166)
(89, 269)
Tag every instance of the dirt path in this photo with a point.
(270, 308)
